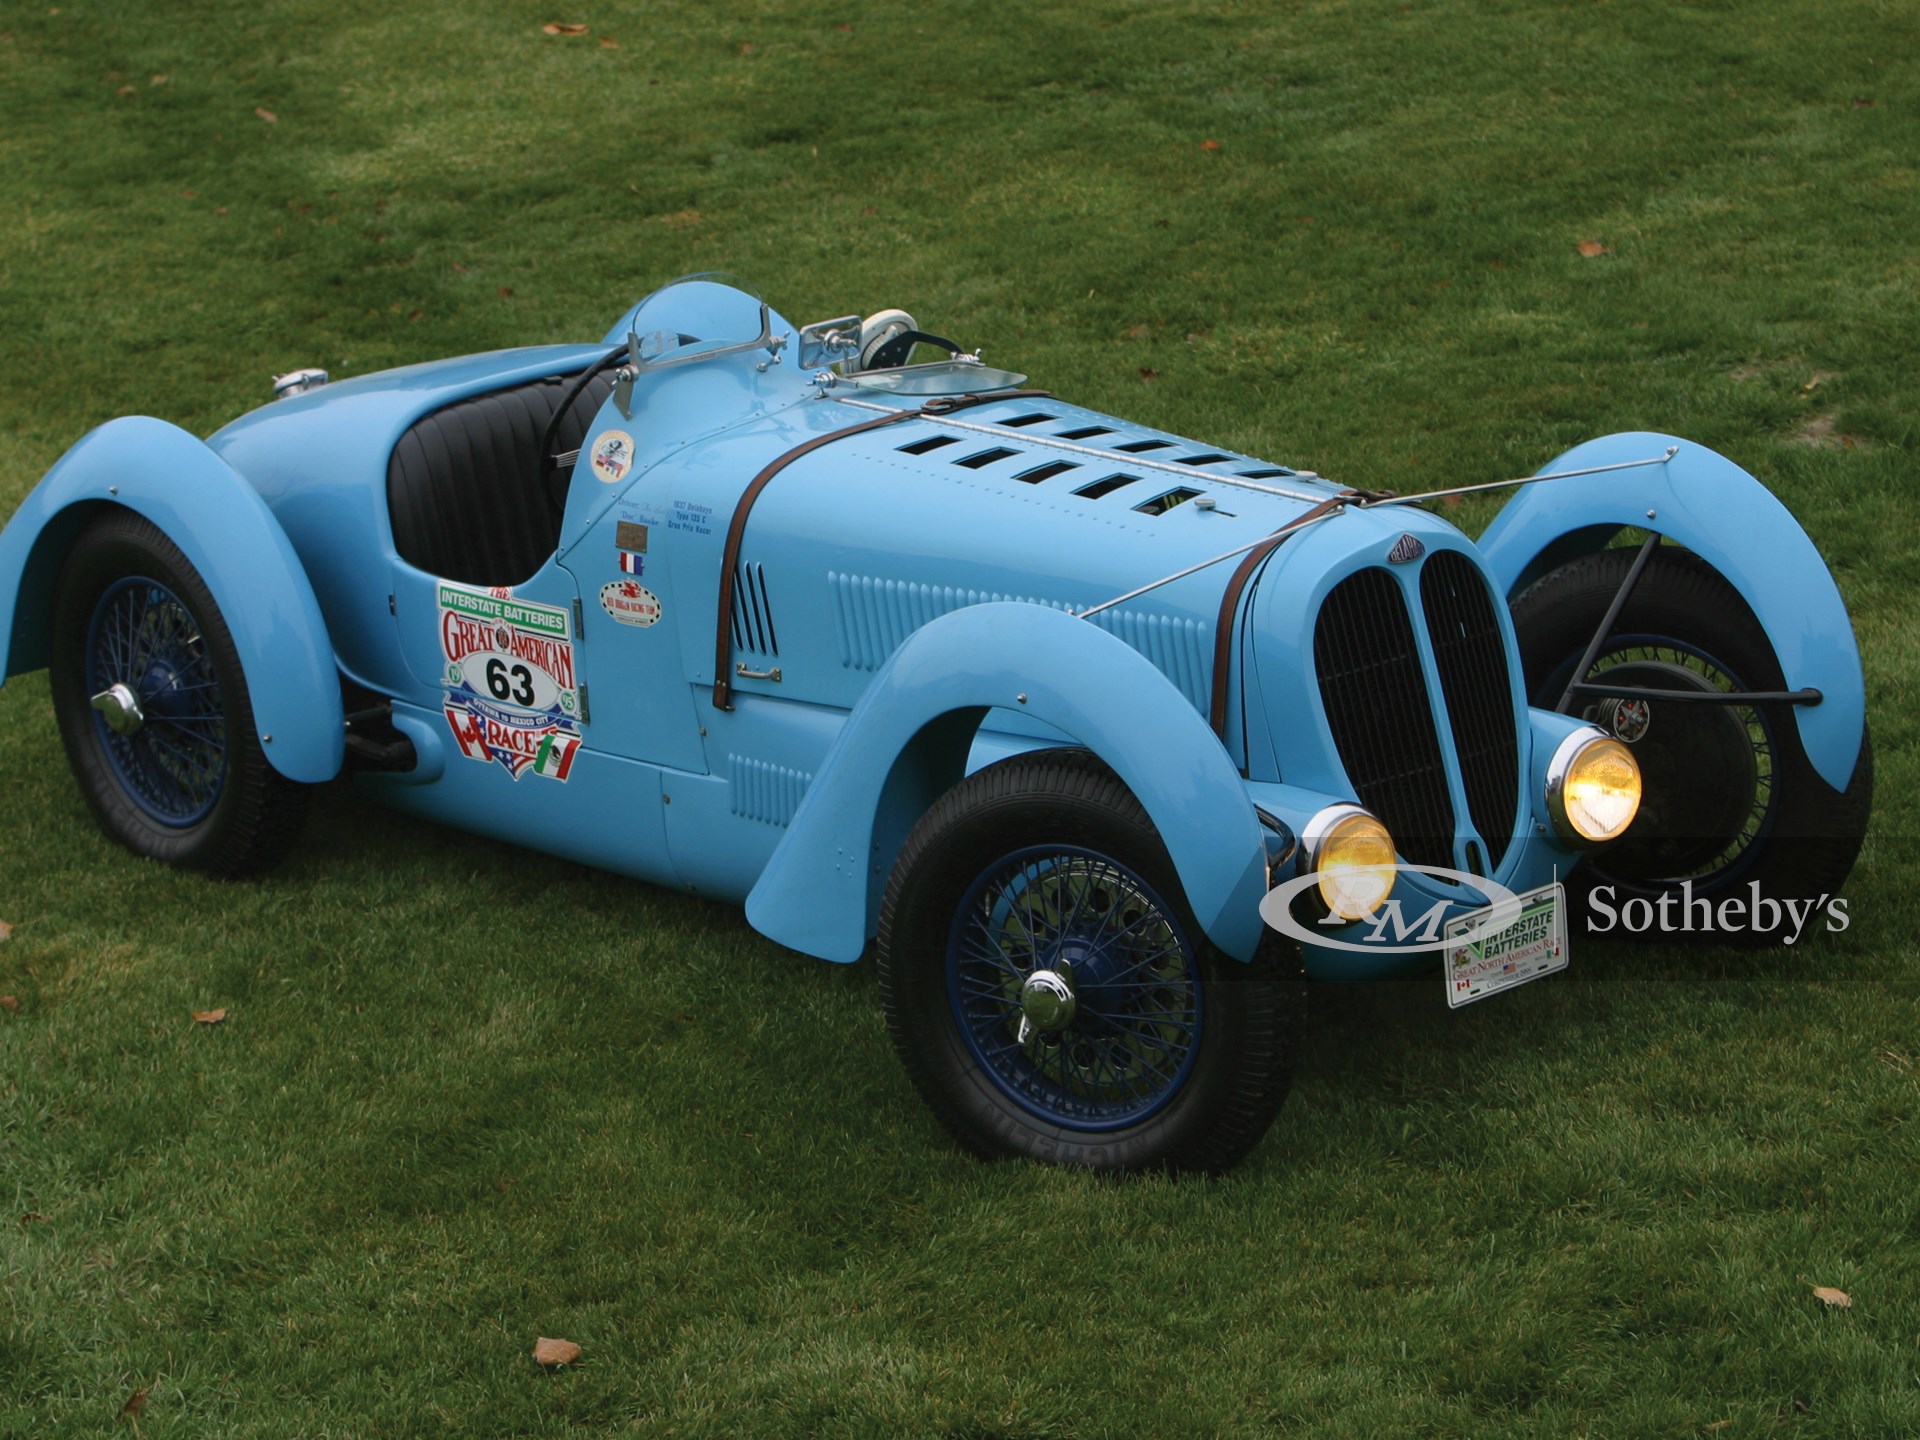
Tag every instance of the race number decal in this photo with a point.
(511, 694)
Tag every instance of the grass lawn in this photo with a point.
(466, 1096)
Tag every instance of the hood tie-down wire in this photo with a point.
(1365, 500)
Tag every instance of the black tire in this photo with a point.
(1731, 799)
(190, 784)
(1185, 1064)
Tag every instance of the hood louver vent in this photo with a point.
(753, 630)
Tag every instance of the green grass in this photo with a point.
(467, 1096)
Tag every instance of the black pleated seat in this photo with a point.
(466, 487)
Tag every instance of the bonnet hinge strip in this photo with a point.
(736, 528)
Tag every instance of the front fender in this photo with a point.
(226, 530)
(1702, 500)
(820, 892)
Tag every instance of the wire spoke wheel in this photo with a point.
(1709, 770)
(1124, 1037)
(154, 709)
(145, 640)
(1731, 800)
(1050, 993)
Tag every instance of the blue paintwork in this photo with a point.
(319, 460)
(821, 891)
(915, 586)
(1702, 500)
(231, 537)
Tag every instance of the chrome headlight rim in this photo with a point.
(1314, 836)
(1565, 755)
(1320, 830)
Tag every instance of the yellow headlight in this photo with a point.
(1593, 788)
(1355, 860)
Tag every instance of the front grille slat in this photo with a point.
(1379, 713)
(1367, 650)
(1470, 655)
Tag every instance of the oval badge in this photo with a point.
(630, 602)
(612, 456)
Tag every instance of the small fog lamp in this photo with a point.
(1593, 788)
(1355, 860)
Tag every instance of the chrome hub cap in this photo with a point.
(119, 707)
(1046, 1003)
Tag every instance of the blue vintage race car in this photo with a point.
(1069, 719)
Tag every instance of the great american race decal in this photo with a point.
(511, 698)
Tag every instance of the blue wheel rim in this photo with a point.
(174, 767)
(1135, 1029)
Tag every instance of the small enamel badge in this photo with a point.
(1405, 549)
(629, 603)
(612, 456)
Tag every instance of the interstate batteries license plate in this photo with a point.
(1535, 944)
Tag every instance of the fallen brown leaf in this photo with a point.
(506, 292)
(555, 1352)
(1147, 372)
(159, 80)
(266, 115)
(27, 1217)
(136, 1402)
(1209, 144)
(558, 27)
(1839, 1299)
(684, 219)
(1719, 1425)
(6, 932)
(1863, 104)
(10, 1003)
(746, 48)
(1591, 248)
(607, 42)
(208, 1017)
(1139, 332)
(125, 90)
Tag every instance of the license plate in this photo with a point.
(1535, 944)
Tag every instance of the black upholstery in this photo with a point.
(467, 488)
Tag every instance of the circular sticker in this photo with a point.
(612, 456)
(630, 603)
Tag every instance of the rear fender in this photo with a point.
(1702, 500)
(225, 529)
(906, 742)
